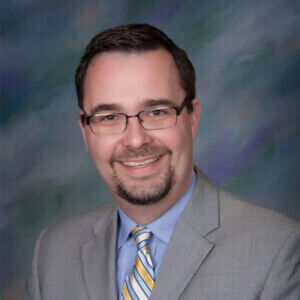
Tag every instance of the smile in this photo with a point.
(140, 164)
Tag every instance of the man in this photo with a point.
(170, 233)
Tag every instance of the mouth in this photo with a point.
(140, 163)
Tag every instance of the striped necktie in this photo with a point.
(139, 282)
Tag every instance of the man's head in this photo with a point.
(143, 162)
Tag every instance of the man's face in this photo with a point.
(138, 165)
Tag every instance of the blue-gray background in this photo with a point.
(246, 54)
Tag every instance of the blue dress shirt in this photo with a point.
(161, 228)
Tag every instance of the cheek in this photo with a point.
(182, 147)
(101, 149)
(178, 140)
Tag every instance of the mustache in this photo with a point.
(141, 152)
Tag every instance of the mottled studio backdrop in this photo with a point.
(246, 55)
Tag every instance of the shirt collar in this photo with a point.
(163, 226)
(125, 227)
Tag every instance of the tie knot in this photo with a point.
(141, 236)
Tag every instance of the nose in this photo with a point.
(135, 136)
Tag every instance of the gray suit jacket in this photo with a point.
(222, 248)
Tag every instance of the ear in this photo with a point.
(195, 117)
(83, 128)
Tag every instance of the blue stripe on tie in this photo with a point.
(142, 243)
(141, 231)
(141, 283)
(131, 292)
(145, 264)
(138, 232)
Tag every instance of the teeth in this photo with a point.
(139, 163)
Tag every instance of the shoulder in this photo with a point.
(266, 237)
(236, 209)
(78, 228)
(237, 214)
(257, 225)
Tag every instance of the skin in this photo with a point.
(128, 81)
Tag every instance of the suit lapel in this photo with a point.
(99, 259)
(189, 247)
(184, 256)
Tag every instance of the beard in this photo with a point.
(144, 190)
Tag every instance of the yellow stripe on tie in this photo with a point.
(142, 237)
(135, 229)
(125, 292)
(145, 275)
(137, 289)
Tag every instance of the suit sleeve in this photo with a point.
(32, 287)
(283, 281)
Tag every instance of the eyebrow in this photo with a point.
(155, 102)
(105, 107)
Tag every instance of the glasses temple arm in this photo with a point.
(184, 103)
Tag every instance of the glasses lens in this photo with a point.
(108, 123)
(158, 118)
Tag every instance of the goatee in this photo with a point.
(140, 191)
(137, 195)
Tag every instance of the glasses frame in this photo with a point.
(86, 118)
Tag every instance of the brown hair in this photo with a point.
(136, 37)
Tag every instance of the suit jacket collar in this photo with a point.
(186, 251)
(202, 213)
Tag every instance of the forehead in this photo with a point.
(128, 79)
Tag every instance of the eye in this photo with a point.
(159, 112)
(111, 117)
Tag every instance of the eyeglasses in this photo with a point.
(150, 119)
